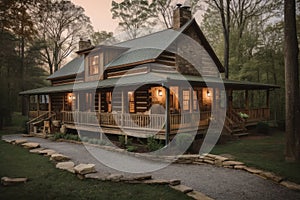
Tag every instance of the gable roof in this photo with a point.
(143, 49)
(75, 66)
(150, 47)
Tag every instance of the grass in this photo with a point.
(265, 153)
(47, 182)
(17, 126)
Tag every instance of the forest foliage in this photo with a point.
(36, 36)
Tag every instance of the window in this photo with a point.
(34, 99)
(108, 102)
(186, 100)
(195, 100)
(44, 99)
(131, 102)
(94, 65)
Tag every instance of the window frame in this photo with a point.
(186, 100)
(94, 64)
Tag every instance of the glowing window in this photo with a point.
(94, 65)
(186, 100)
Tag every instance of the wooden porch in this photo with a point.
(145, 125)
(137, 125)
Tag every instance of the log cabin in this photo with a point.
(147, 86)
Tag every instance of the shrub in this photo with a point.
(85, 139)
(93, 141)
(123, 142)
(153, 144)
(103, 142)
(25, 128)
(281, 125)
(262, 127)
(57, 136)
(131, 148)
(74, 137)
(183, 141)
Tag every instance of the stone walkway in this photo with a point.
(215, 182)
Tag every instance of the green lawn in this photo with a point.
(47, 182)
(265, 153)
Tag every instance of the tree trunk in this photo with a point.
(291, 83)
(227, 40)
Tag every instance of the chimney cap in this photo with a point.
(179, 5)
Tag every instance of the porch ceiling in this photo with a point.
(149, 78)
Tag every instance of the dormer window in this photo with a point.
(94, 65)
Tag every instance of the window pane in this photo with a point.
(186, 100)
(94, 65)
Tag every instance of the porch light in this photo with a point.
(159, 92)
(71, 97)
(208, 93)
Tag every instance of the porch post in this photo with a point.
(268, 104)
(99, 115)
(122, 114)
(27, 108)
(214, 103)
(268, 99)
(229, 98)
(78, 101)
(99, 102)
(167, 114)
(49, 103)
(122, 109)
(63, 106)
(38, 105)
(191, 99)
(246, 100)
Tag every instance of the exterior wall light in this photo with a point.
(159, 92)
(208, 93)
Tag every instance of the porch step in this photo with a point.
(240, 134)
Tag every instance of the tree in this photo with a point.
(291, 82)
(133, 15)
(19, 66)
(164, 11)
(224, 10)
(61, 24)
(103, 37)
(235, 16)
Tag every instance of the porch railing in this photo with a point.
(256, 114)
(136, 121)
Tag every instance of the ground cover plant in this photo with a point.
(262, 151)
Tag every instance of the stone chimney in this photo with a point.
(84, 44)
(181, 15)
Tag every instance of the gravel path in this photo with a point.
(215, 182)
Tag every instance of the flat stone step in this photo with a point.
(182, 188)
(31, 145)
(83, 169)
(6, 181)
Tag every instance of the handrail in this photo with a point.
(41, 117)
(37, 118)
(233, 118)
